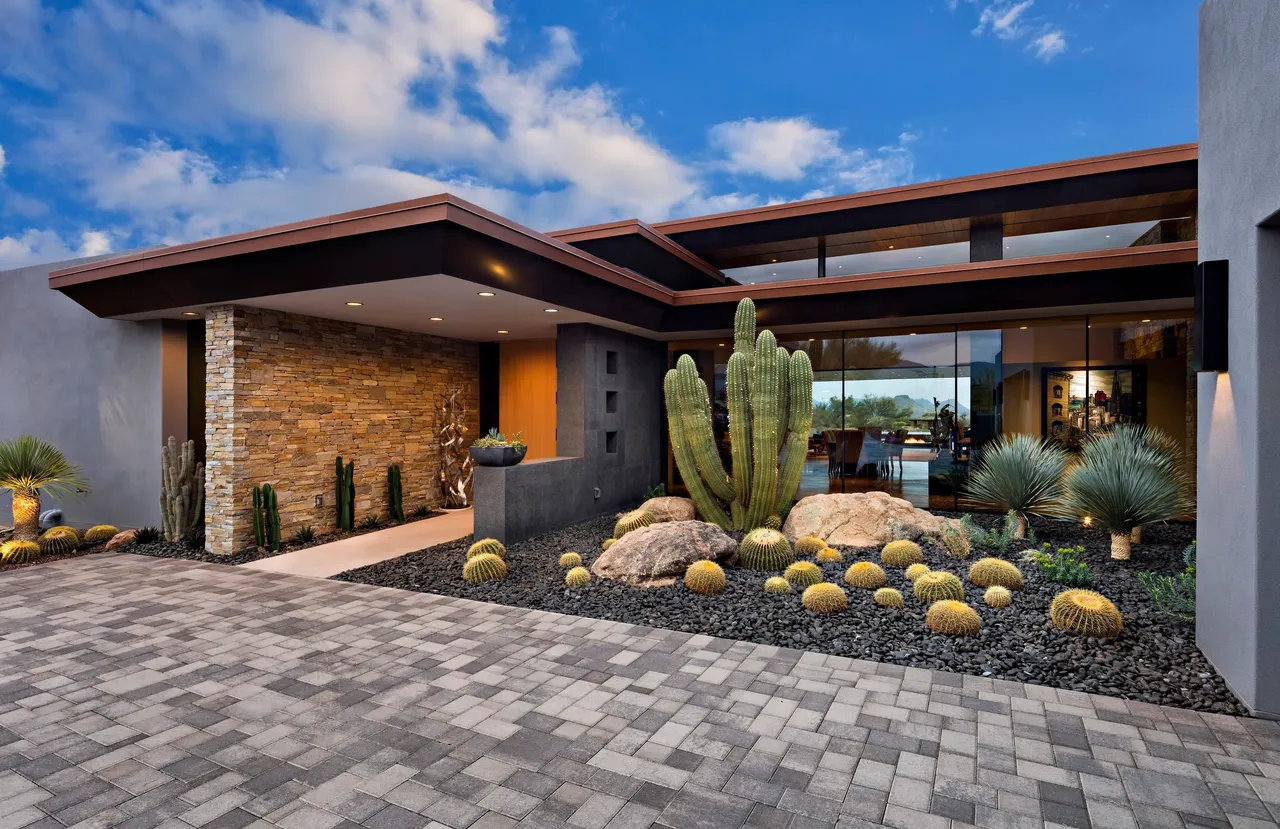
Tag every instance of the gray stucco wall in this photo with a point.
(90, 386)
(596, 474)
(1238, 571)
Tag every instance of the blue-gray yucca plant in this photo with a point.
(1126, 477)
(1021, 474)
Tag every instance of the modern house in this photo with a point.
(1054, 300)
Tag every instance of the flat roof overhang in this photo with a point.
(637, 246)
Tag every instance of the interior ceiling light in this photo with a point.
(355, 304)
(190, 314)
(437, 319)
(485, 293)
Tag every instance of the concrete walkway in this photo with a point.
(325, 560)
(139, 692)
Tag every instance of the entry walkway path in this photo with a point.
(139, 692)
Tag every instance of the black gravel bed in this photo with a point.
(1155, 660)
(176, 549)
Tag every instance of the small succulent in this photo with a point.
(777, 584)
(570, 560)
(371, 522)
(491, 546)
(58, 541)
(633, 520)
(304, 535)
(953, 618)
(828, 556)
(936, 585)
(420, 511)
(988, 571)
(803, 574)
(1086, 613)
(193, 538)
(824, 598)
(810, 545)
(915, 571)
(100, 533)
(773, 522)
(577, 576)
(765, 549)
(19, 552)
(997, 596)
(888, 597)
(901, 553)
(146, 535)
(705, 577)
(608, 542)
(866, 575)
(484, 567)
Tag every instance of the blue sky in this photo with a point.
(126, 123)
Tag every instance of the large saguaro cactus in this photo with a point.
(770, 411)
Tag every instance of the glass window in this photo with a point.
(1043, 380)
(1073, 241)
(802, 266)
(927, 256)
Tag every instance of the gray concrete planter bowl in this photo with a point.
(497, 455)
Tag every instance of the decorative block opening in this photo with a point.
(611, 443)
(611, 362)
(611, 402)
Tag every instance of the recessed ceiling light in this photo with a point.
(775, 273)
(773, 260)
(485, 293)
(437, 319)
(355, 304)
(1108, 235)
(552, 310)
(890, 247)
(190, 314)
(503, 331)
(1146, 320)
(912, 334)
(811, 339)
(1022, 328)
(722, 345)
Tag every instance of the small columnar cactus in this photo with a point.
(901, 553)
(997, 596)
(99, 534)
(915, 571)
(704, 577)
(809, 545)
(936, 585)
(765, 549)
(608, 542)
(773, 522)
(988, 571)
(577, 577)
(866, 575)
(19, 552)
(952, 618)
(828, 556)
(1086, 613)
(888, 597)
(486, 546)
(633, 520)
(777, 584)
(58, 541)
(824, 598)
(570, 560)
(803, 574)
(484, 567)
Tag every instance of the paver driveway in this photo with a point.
(140, 692)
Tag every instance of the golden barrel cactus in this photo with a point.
(828, 556)
(1086, 613)
(988, 571)
(952, 618)
(866, 575)
(824, 598)
(915, 571)
(997, 596)
(99, 534)
(484, 567)
(936, 586)
(570, 560)
(809, 545)
(773, 522)
(486, 546)
(888, 597)
(58, 541)
(19, 552)
(633, 520)
(577, 577)
(705, 577)
(765, 549)
(777, 584)
(901, 553)
(803, 573)
(608, 542)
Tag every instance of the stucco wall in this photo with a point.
(92, 387)
(1239, 561)
(286, 393)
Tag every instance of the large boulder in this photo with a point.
(659, 552)
(859, 519)
(669, 508)
(122, 539)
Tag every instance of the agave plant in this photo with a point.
(28, 467)
(1021, 474)
(1125, 478)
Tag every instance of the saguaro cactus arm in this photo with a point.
(800, 421)
(764, 429)
(738, 383)
(695, 422)
(705, 502)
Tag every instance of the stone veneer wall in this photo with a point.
(286, 393)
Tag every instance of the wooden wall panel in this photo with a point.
(527, 393)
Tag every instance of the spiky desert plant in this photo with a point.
(997, 596)
(28, 467)
(803, 573)
(58, 541)
(828, 556)
(304, 535)
(1124, 480)
(1086, 613)
(988, 571)
(901, 553)
(936, 585)
(1022, 473)
(99, 533)
(633, 520)
(704, 577)
(915, 571)
(491, 546)
(570, 560)
(181, 488)
(773, 522)
(577, 577)
(888, 597)
(865, 574)
(953, 618)
(809, 545)
(824, 598)
(607, 543)
(770, 397)
(484, 567)
(765, 549)
(18, 551)
(777, 584)
(147, 535)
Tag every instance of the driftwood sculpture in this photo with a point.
(455, 460)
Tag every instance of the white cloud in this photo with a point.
(1, 159)
(33, 246)
(781, 149)
(1004, 19)
(1049, 45)
(1012, 20)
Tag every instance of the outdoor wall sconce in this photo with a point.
(1209, 345)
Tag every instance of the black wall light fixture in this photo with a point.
(1209, 347)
